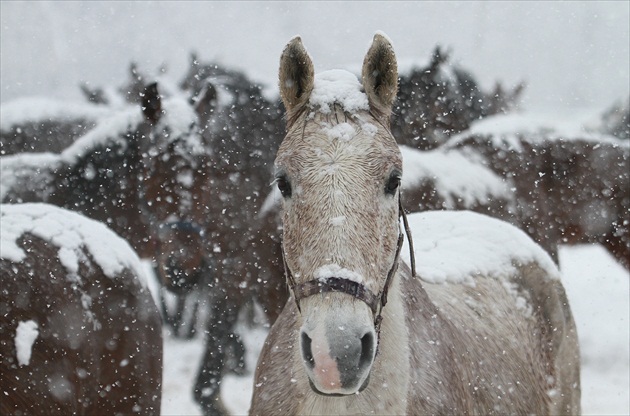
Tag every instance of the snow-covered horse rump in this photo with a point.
(79, 331)
(483, 328)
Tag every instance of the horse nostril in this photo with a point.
(307, 353)
(367, 350)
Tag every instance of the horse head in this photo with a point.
(171, 188)
(338, 170)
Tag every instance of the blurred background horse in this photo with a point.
(80, 333)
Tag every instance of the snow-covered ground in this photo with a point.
(598, 290)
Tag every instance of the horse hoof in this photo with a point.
(214, 407)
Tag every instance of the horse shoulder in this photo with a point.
(549, 301)
(488, 340)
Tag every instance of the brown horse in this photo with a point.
(45, 125)
(362, 334)
(438, 100)
(174, 195)
(571, 187)
(79, 331)
(110, 175)
(241, 127)
(100, 173)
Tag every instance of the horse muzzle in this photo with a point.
(338, 352)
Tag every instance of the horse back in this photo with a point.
(98, 348)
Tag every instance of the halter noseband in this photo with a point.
(376, 302)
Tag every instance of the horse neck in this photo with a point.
(408, 305)
(392, 363)
(411, 319)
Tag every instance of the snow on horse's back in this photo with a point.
(573, 188)
(80, 330)
(362, 334)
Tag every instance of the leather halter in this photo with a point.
(376, 302)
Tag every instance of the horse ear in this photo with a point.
(380, 75)
(152, 103)
(93, 95)
(205, 102)
(296, 75)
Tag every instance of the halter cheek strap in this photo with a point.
(376, 302)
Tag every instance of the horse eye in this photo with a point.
(392, 184)
(284, 186)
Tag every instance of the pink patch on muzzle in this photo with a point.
(325, 372)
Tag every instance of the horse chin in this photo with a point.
(343, 394)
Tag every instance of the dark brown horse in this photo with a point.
(45, 125)
(440, 99)
(176, 198)
(79, 330)
(242, 128)
(108, 174)
(565, 189)
(569, 187)
(97, 175)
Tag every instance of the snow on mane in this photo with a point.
(39, 109)
(178, 116)
(455, 246)
(21, 169)
(341, 87)
(71, 233)
(455, 177)
(109, 131)
(507, 130)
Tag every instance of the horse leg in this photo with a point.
(218, 333)
(183, 320)
(171, 319)
(235, 357)
(191, 329)
(166, 315)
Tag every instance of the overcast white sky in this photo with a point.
(571, 53)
